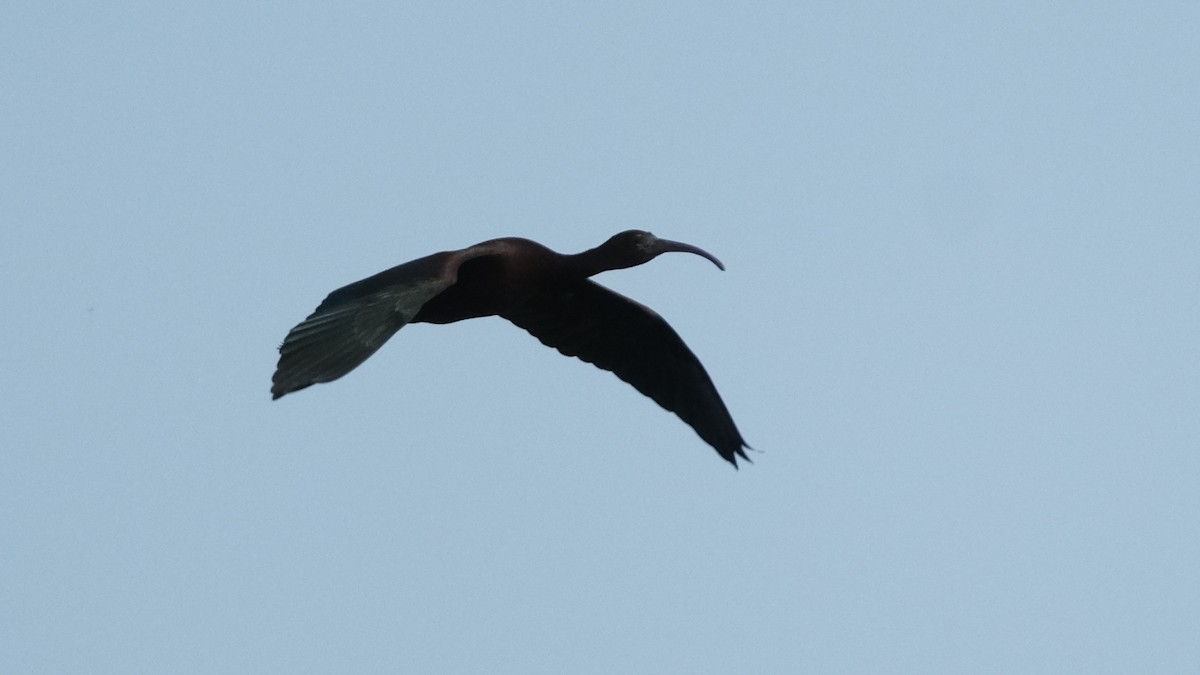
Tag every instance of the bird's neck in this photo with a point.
(587, 263)
(594, 261)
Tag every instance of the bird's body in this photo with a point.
(546, 293)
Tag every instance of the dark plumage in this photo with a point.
(548, 294)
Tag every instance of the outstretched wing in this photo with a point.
(354, 321)
(592, 323)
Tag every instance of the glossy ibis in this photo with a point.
(546, 293)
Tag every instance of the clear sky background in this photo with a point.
(960, 322)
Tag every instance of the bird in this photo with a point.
(548, 294)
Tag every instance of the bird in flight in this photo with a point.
(548, 294)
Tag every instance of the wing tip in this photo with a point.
(739, 450)
(280, 387)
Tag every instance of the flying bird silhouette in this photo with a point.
(546, 293)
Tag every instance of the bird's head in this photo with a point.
(634, 247)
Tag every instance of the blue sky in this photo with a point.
(960, 321)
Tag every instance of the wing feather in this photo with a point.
(354, 321)
(617, 334)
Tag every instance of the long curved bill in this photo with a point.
(669, 246)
